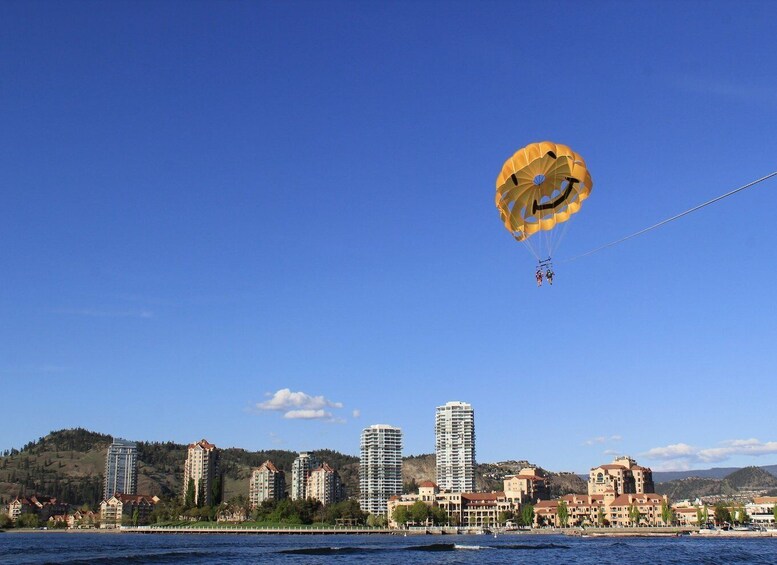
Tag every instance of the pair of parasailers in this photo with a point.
(548, 275)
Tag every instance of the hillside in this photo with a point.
(489, 476)
(69, 464)
(741, 484)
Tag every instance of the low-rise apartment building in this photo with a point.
(761, 511)
(466, 509)
(43, 506)
(602, 509)
(135, 508)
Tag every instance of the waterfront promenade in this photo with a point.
(238, 529)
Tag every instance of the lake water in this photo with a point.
(86, 548)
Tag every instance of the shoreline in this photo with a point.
(572, 532)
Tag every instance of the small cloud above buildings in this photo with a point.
(682, 456)
(307, 415)
(300, 406)
(356, 413)
(601, 440)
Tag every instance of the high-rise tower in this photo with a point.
(267, 482)
(201, 475)
(455, 447)
(121, 468)
(300, 472)
(380, 467)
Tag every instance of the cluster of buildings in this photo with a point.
(311, 479)
(121, 503)
(380, 463)
(621, 493)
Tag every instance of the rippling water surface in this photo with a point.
(86, 548)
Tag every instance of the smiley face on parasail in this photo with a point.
(539, 188)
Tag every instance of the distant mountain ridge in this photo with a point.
(714, 473)
(741, 484)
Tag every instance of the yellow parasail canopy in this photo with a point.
(540, 186)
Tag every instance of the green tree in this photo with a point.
(527, 515)
(563, 513)
(28, 520)
(419, 512)
(702, 516)
(215, 491)
(5, 521)
(439, 516)
(188, 500)
(201, 494)
(504, 517)
(410, 487)
(667, 513)
(135, 517)
(634, 514)
(401, 516)
(380, 521)
(721, 514)
(600, 518)
(774, 512)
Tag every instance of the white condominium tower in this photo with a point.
(380, 467)
(121, 469)
(455, 447)
(300, 472)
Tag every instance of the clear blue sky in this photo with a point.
(206, 203)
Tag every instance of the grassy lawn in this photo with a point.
(273, 525)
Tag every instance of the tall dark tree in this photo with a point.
(527, 515)
(188, 500)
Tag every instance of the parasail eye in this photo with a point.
(551, 153)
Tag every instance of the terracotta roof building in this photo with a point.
(267, 482)
(325, 486)
(202, 471)
(622, 476)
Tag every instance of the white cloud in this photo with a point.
(599, 440)
(357, 413)
(300, 406)
(307, 415)
(681, 456)
(751, 447)
(673, 451)
(285, 399)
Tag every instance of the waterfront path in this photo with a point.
(238, 529)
